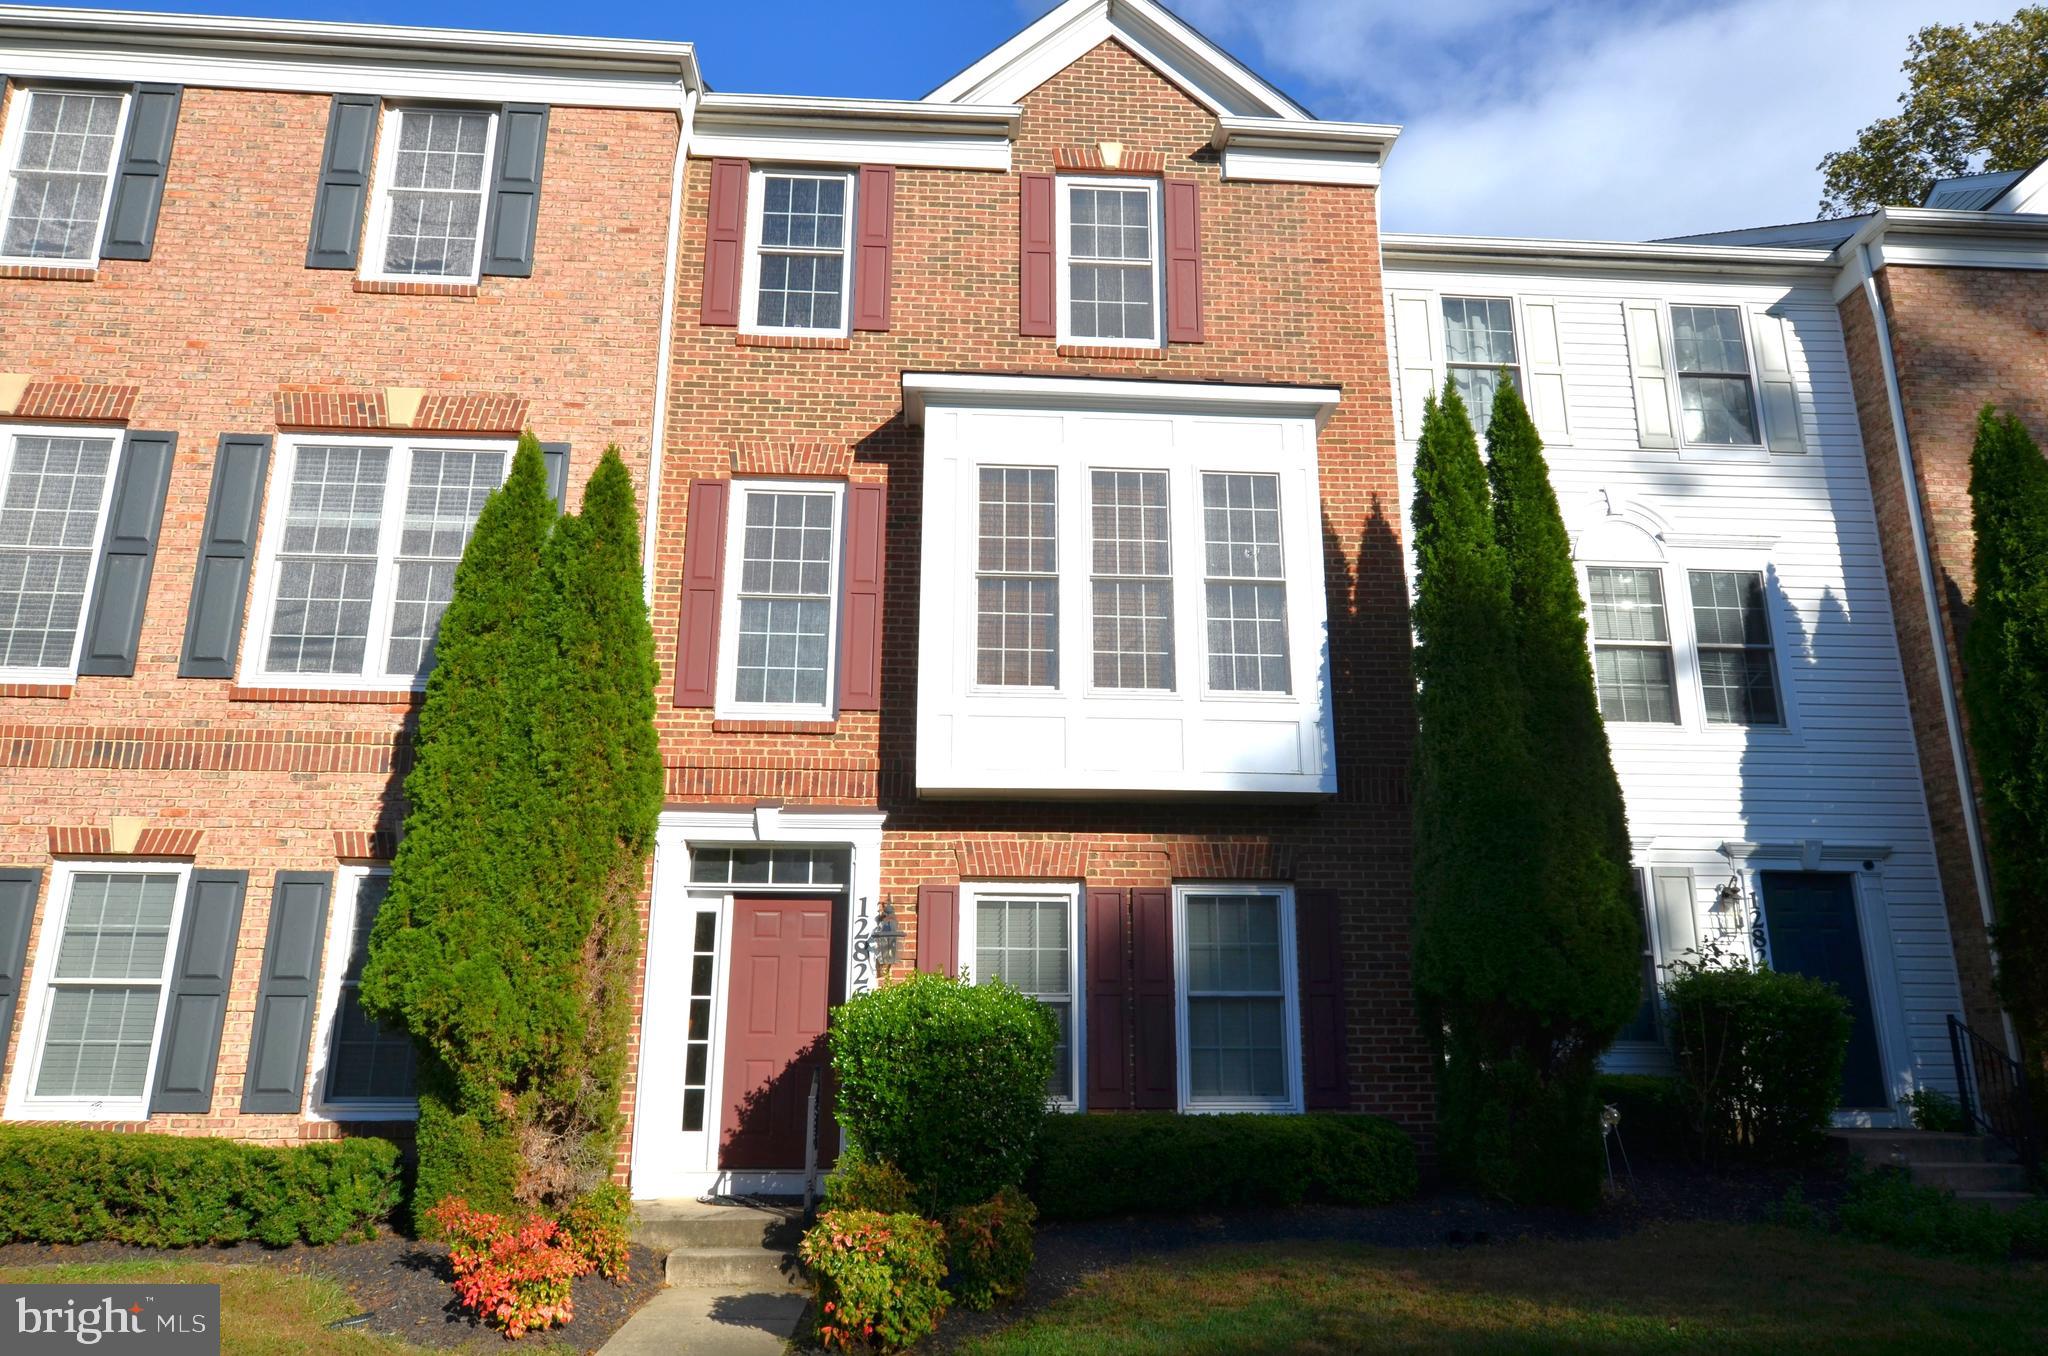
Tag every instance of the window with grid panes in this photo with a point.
(368, 1062)
(1715, 394)
(53, 498)
(1738, 682)
(64, 142)
(786, 587)
(1236, 998)
(800, 262)
(1112, 264)
(697, 1036)
(1479, 340)
(1244, 583)
(1028, 943)
(1133, 580)
(366, 554)
(1631, 645)
(1016, 579)
(434, 191)
(113, 957)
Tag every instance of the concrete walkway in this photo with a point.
(706, 1321)
(733, 1284)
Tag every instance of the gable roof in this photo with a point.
(1970, 192)
(1158, 37)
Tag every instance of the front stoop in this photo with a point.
(1974, 1167)
(734, 1288)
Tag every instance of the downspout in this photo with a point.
(1944, 676)
(663, 359)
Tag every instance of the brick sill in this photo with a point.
(49, 273)
(328, 695)
(50, 691)
(1106, 354)
(387, 288)
(796, 727)
(811, 341)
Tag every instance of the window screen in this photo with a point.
(63, 160)
(436, 192)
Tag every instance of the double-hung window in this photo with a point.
(1017, 578)
(1738, 681)
(783, 573)
(1133, 580)
(360, 561)
(1631, 645)
(54, 489)
(1237, 997)
(433, 166)
(1717, 396)
(1028, 937)
(1245, 583)
(1109, 274)
(58, 156)
(89, 1044)
(1479, 341)
(369, 1067)
(799, 263)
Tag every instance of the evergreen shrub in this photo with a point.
(860, 1184)
(877, 1279)
(1886, 1206)
(1760, 1056)
(989, 1248)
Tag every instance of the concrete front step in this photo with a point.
(1905, 1148)
(665, 1225)
(740, 1270)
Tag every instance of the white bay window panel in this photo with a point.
(798, 272)
(54, 490)
(782, 580)
(1240, 1030)
(1165, 542)
(1109, 266)
(360, 562)
(59, 155)
(1028, 936)
(433, 172)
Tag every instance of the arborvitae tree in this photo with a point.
(2006, 686)
(445, 961)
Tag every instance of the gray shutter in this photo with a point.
(515, 191)
(289, 993)
(120, 590)
(139, 180)
(199, 993)
(1677, 928)
(556, 456)
(344, 182)
(18, 888)
(227, 552)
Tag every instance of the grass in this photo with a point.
(264, 1311)
(1676, 1288)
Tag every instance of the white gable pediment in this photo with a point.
(1205, 72)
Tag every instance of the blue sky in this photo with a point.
(1621, 119)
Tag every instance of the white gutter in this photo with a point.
(1402, 247)
(1944, 676)
(659, 434)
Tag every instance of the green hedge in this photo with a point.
(66, 1185)
(1122, 1163)
(1760, 1056)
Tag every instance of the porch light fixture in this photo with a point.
(887, 937)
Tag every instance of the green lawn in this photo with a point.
(264, 1311)
(1682, 1288)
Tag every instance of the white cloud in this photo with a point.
(1613, 120)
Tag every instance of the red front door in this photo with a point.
(781, 991)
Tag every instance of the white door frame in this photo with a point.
(669, 1162)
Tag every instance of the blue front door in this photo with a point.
(1812, 921)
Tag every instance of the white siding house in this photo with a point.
(1702, 437)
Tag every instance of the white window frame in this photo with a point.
(750, 265)
(728, 706)
(389, 118)
(341, 920)
(1756, 451)
(1699, 647)
(966, 935)
(1517, 367)
(263, 602)
(10, 154)
(22, 1104)
(1198, 580)
(1290, 987)
(64, 673)
(1063, 234)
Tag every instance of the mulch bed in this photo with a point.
(399, 1283)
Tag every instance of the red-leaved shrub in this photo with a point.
(510, 1273)
(597, 1227)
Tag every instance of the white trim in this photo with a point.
(1290, 151)
(341, 920)
(1290, 965)
(263, 599)
(966, 936)
(21, 1104)
(1110, 394)
(1405, 250)
(801, 130)
(750, 267)
(9, 433)
(664, 360)
(1063, 233)
(377, 235)
(729, 707)
(10, 154)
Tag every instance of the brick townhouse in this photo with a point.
(275, 299)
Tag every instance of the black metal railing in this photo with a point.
(1992, 1086)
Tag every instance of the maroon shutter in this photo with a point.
(1109, 1069)
(938, 929)
(874, 246)
(860, 612)
(1037, 296)
(1324, 1087)
(1156, 1085)
(703, 587)
(1183, 262)
(725, 241)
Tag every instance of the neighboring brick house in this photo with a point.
(277, 298)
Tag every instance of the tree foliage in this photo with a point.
(2006, 687)
(1976, 99)
(1526, 934)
